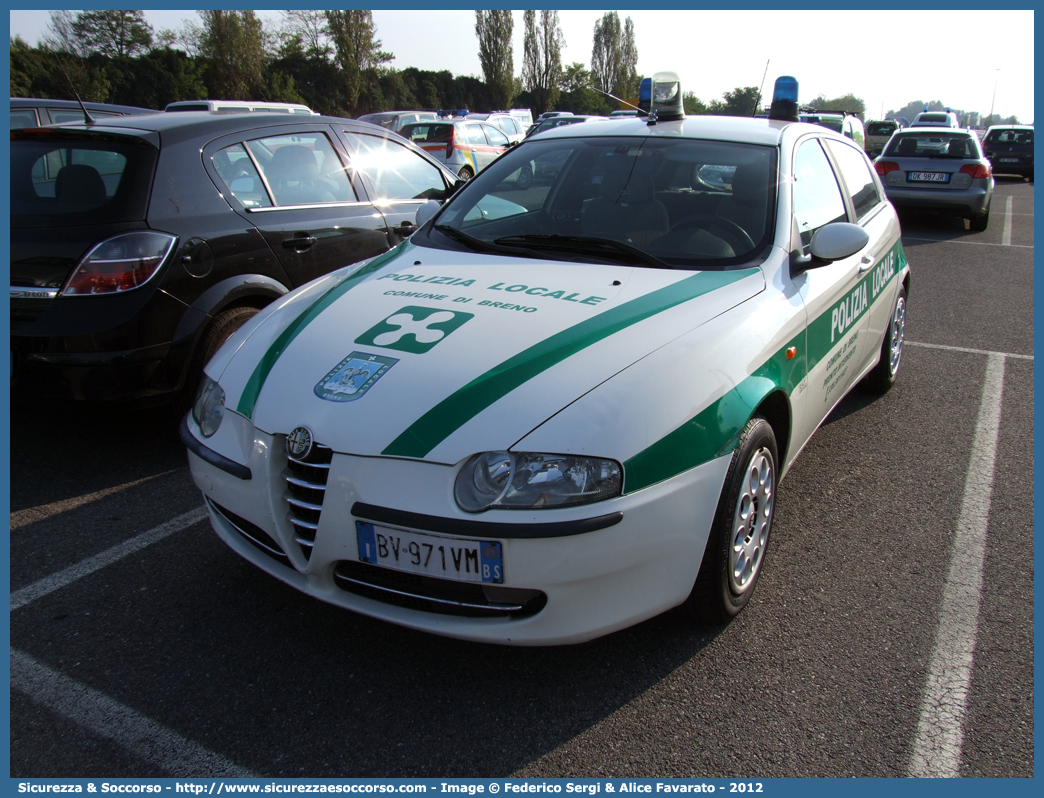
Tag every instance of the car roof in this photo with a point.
(42, 102)
(721, 128)
(186, 125)
(934, 130)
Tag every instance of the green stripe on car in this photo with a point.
(715, 430)
(252, 390)
(454, 411)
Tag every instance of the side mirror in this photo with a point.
(457, 186)
(838, 241)
(427, 210)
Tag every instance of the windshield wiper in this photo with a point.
(475, 243)
(588, 244)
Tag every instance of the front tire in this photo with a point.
(525, 177)
(465, 173)
(882, 378)
(735, 553)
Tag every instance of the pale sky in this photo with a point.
(887, 58)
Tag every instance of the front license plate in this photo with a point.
(431, 555)
(1009, 160)
(928, 177)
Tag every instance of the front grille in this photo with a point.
(307, 488)
(443, 596)
(253, 534)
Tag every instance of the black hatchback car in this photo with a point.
(1010, 149)
(140, 244)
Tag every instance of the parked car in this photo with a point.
(938, 169)
(239, 107)
(558, 121)
(507, 123)
(848, 125)
(140, 244)
(936, 119)
(877, 135)
(396, 120)
(1009, 149)
(548, 425)
(524, 117)
(30, 112)
(464, 146)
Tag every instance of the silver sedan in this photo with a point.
(940, 170)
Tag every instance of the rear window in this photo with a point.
(425, 133)
(932, 145)
(1010, 137)
(881, 128)
(73, 180)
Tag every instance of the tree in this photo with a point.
(60, 35)
(542, 62)
(693, 104)
(847, 102)
(231, 44)
(357, 50)
(313, 30)
(738, 102)
(628, 78)
(115, 34)
(577, 94)
(607, 52)
(493, 29)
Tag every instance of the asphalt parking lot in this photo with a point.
(891, 634)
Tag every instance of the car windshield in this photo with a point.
(679, 203)
(931, 145)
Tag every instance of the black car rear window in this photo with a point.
(1010, 137)
(67, 179)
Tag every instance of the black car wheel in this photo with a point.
(220, 330)
(735, 553)
(979, 223)
(465, 173)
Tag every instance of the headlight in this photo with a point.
(528, 481)
(209, 407)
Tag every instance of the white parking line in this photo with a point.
(1006, 235)
(959, 241)
(969, 351)
(101, 715)
(940, 733)
(56, 581)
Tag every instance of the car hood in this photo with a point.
(436, 355)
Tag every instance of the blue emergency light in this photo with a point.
(785, 99)
(645, 95)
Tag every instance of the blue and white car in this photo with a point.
(545, 423)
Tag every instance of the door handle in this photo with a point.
(866, 262)
(300, 243)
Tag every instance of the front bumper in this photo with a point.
(616, 562)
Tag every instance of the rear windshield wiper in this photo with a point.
(588, 244)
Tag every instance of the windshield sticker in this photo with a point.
(414, 329)
(353, 377)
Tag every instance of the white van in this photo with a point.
(238, 107)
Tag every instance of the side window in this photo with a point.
(509, 126)
(23, 117)
(394, 171)
(855, 170)
(817, 198)
(475, 135)
(237, 171)
(302, 169)
(496, 138)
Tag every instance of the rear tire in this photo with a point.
(465, 173)
(979, 223)
(220, 330)
(882, 378)
(735, 553)
(525, 177)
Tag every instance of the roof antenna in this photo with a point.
(90, 120)
(757, 102)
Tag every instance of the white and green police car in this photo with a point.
(560, 409)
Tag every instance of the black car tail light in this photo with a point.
(120, 263)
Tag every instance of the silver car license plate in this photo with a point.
(928, 177)
(431, 555)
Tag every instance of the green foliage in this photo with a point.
(693, 104)
(493, 29)
(741, 101)
(542, 62)
(358, 53)
(116, 34)
(232, 48)
(847, 102)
